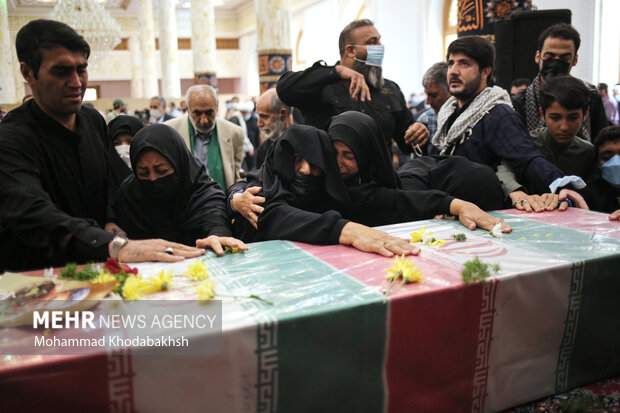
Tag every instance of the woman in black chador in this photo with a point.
(170, 195)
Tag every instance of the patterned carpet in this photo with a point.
(601, 397)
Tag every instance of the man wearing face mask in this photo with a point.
(354, 83)
(556, 55)
(157, 110)
(217, 142)
(603, 190)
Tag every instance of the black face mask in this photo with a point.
(306, 188)
(554, 67)
(162, 189)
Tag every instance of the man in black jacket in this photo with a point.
(53, 174)
(354, 83)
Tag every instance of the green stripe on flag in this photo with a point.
(333, 362)
(329, 355)
(590, 348)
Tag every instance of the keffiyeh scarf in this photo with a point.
(446, 139)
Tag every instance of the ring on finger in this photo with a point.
(523, 201)
(169, 251)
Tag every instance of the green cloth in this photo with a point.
(214, 157)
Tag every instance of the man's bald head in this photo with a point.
(274, 116)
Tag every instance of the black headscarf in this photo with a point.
(377, 197)
(314, 146)
(360, 133)
(197, 207)
(118, 168)
(291, 214)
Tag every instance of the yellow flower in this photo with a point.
(206, 290)
(231, 250)
(416, 236)
(198, 271)
(162, 282)
(438, 242)
(404, 269)
(132, 289)
(103, 277)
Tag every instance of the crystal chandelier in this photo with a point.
(91, 20)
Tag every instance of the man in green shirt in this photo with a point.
(218, 143)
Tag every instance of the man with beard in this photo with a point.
(218, 143)
(354, 83)
(274, 116)
(478, 122)
(556, 55)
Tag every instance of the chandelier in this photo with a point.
(90, 19)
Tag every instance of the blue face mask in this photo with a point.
(611, 171)
(374, 54)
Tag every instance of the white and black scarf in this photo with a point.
(446, 139)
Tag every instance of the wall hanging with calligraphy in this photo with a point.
(272, 64)
(478, 17)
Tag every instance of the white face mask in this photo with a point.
(155, 113)
(374, 54)
(123, 152)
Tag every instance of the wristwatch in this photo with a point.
(118, 242)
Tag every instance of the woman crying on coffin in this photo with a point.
(169, 195)
(306, 199)
(375, 190)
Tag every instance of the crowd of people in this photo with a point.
(311, 160)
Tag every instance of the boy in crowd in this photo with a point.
(564, 103)
(603, 190)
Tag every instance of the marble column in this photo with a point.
(147, 43)
(8, 93)
(137, 76)
(274, 41)
(203, 42)
(169, 50)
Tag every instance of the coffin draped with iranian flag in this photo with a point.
(548, 322)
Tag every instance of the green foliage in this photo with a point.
(71, 271)
(459, 237)
(122, 277)
(476, 270)
(231, 250)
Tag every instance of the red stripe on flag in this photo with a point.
(433, 341)
(69, 384)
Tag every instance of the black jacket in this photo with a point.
(53, 183)
(320, 93)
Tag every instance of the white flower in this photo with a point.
(427, 238)
(497, 230)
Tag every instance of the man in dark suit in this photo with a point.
(157, 110)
